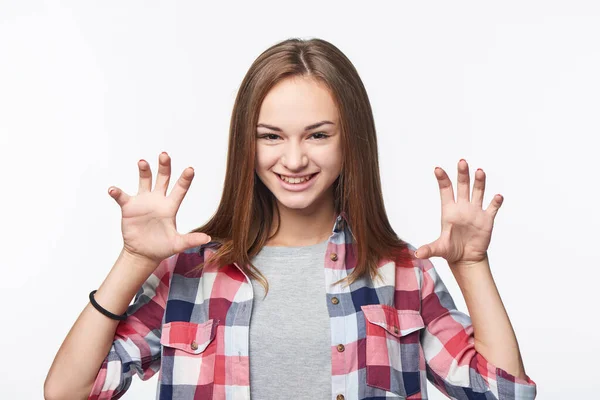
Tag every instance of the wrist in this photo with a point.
(137, 261)
(466, 265)
(474, 279)
(123, 281)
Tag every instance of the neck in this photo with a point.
(303, 227)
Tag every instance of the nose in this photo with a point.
(294, 157)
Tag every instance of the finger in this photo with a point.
(425, 251)
(464, 181)
(446, 190)
(189, 240)
(164, 173)
(145, 176)
(478, 187)
(495, 205)
(120, 196)
(182, 185)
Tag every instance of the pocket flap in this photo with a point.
(188, 336)
(396, 322)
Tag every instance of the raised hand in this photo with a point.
(466, 227)
(149, 219)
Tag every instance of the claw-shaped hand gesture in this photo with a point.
(466, 227)
(148, 219)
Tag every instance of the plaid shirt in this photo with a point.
(389, 336)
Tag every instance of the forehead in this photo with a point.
(296, 102)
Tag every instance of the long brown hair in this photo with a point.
(245, 213)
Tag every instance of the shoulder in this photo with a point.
(187, 262)
(409, 272)
(405, 258)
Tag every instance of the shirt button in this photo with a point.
(396, 330)
(333, 257)
(339, 397)
(340, 347)
(335, 300)
(194, 345)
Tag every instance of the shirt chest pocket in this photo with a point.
(189, 351)
(393, 348)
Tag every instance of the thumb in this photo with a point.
(190, 240)
(426, 251)
(120, 197)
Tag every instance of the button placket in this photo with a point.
(334, 300)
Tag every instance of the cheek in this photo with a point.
(264, 159)
(330, 160)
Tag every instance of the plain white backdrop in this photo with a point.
(89, 88)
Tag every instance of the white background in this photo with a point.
(89, 88)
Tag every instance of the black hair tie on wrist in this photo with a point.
(104, 311)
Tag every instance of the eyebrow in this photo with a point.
(307, 128)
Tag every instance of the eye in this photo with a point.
(268, 136)
(320, 135)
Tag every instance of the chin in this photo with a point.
(298, 204)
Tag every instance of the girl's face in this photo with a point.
(298, 145)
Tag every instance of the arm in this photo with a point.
(454, 363)
(95, 343)
(495, 338)
(136, 348)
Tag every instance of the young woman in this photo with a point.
(297, 287)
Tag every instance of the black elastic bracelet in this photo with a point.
(104, 311)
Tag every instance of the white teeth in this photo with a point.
(295, 180)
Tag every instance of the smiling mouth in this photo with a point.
(295, 181)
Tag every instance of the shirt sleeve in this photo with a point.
(453, 365)
(136, 347)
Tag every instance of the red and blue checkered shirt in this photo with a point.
(389, 335)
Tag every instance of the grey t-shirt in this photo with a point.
(290, 334)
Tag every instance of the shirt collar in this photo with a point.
(341, 222)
